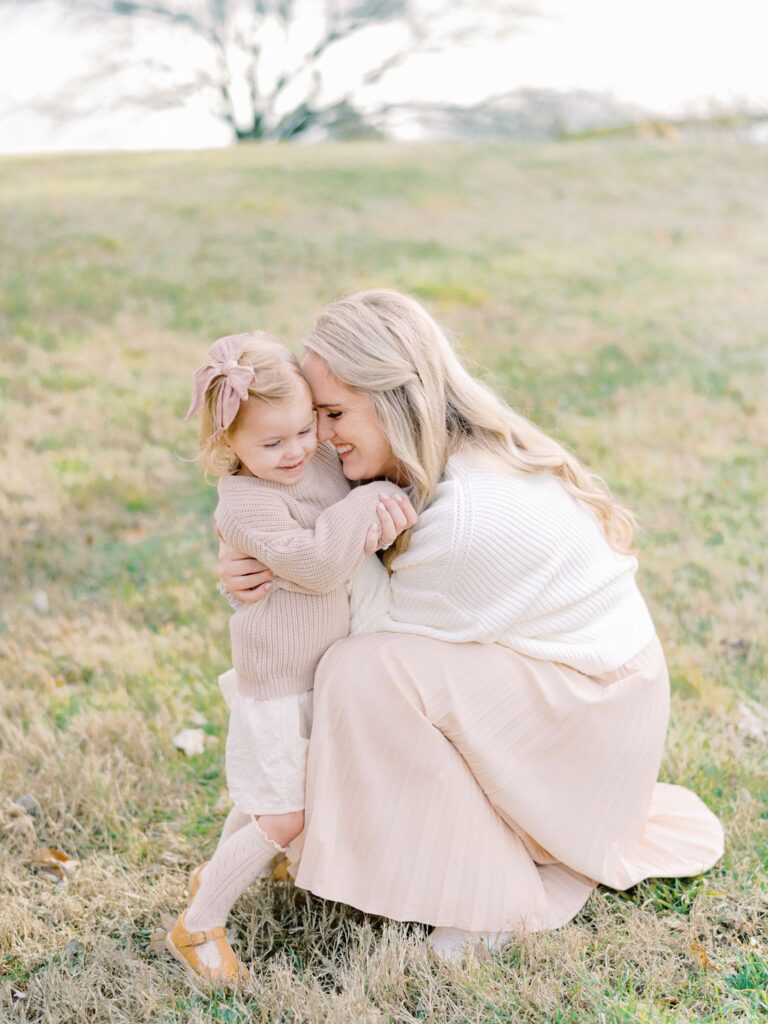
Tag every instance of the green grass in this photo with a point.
(614, 290)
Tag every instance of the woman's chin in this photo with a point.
(353, 469)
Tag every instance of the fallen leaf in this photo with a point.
(190, 741)
(55, 865)
(702, 956)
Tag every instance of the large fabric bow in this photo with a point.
(224, 354)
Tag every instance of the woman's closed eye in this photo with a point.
(333, 415)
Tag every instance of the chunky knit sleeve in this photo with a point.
(506, 553)
(482, 556)
(369, 596)
(515, 559)
(503, 557)
(318, 559)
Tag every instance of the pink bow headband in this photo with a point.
(224, 354)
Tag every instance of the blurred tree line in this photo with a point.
(312, 69)
(272, 69)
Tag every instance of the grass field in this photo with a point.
(615, 291)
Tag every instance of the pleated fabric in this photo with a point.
(470, 786)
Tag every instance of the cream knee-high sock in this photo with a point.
(239, 860)
(234, 822)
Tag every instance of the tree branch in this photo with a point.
(232, 31)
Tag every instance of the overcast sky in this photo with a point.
(673, 56)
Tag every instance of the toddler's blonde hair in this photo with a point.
(275, 371)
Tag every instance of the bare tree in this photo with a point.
(267, 66)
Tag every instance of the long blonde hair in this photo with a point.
(386, 344)
(276, 369)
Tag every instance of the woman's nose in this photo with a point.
(325, 429)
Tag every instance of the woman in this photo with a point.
(485, 749)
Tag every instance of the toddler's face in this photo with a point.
(276, 441)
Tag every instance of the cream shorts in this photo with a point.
(267, 744)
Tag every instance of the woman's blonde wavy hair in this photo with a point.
(274, 381)
(386, 344)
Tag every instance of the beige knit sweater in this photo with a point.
(311, 534)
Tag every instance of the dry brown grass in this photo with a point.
(615, 290)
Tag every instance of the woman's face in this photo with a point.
(346, 417)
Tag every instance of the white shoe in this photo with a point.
(451, 944)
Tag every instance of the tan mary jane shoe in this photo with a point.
(181, 943)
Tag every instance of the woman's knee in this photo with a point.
(366, 675)
(346, 666)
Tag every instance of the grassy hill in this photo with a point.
(615, 291)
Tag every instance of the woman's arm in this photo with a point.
(248, 580)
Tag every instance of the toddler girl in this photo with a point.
(284, 500)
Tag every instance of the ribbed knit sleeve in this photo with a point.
(368, 596)
(317, 559)
(511, 558)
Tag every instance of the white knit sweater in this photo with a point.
(509, 558)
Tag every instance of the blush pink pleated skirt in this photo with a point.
(469, 786)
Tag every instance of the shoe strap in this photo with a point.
(198, 938)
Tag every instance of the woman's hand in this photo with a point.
(244, 578)
(396, 514)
